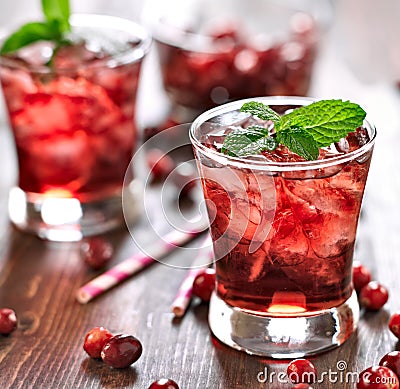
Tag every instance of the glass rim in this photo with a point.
(257, 164)
(169, 34)
(132, 55)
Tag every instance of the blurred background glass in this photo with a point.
(212, 52)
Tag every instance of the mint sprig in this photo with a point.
(303, 131)
(300, 142)
(254, 141)
(260, 110)
(56, 24)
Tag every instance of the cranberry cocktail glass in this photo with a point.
(72, 114)
(213, 52)
(283, 233)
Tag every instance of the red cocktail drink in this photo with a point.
(72, 110)
(283, 228)
(215, 52)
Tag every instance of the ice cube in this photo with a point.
(43, 114)
(16, 84)
(64, 160)
(327, 215)
(233, 118)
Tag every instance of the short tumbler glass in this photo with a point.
(72, 114)
(212, 52)
(283, 236)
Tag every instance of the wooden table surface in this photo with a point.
(39, 279)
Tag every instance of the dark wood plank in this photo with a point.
(39, 280)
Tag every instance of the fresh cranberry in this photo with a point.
(302, 386)
(8, 321)
(361, 276)
(164, 383)
(301, 371)
(373, 296)
(394, 324)
(377, 377)
(121, 351)
(149, 132)
(392, 361)
(184, 178)
(95, 340)
(204, 284)
(160, 165)
(96, 252)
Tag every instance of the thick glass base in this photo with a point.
(283, 337)
(67, 219)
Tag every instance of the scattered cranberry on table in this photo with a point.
(377, 377)
(373, 296)
(185, 179)
(302, 386)
(164, 383)
(392, 361)
(301, 371)
(204, 284)
(160, 165)
(96, 252)
(8, 321)
(95, 340)
(149, 132)
(394, 324)
(361, 276)
(121, 351)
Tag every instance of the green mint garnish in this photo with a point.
(260, 110)
(300, 142)
(303, 131)
(327, 121)
(253, 141)
(56, 24)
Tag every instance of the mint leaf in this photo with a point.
(327, 121)
(261, 110)
(57, 10)
(302, 131)
(250, 141)
(27, 34)
(300, 142)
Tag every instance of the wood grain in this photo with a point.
(39, 280)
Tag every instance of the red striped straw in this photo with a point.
(184, 295)
(134, 264)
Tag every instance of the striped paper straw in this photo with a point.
(133, 265)
(184, 295)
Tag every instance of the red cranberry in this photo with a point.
(361, 276)
(8, 321)
(392, 361)
(377, 377)
(95, 340)
(164, 383)
(184, 178)
(121, 351)
(204, 284)
(373, 296)
(160, 165)
(302, 386)
(96, 252)
(394, 324)
(301, 371)
(151, 131)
